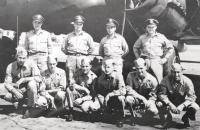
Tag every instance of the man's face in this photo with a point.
(110, 29)
(37, 24)
(85, 67)
(108, 68)
(141, 71)
(21, 59)
(151, 29)
(176, 74)
(78, 26)
(52, 63)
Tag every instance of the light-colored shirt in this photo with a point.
(54, 80)
(155, 46)
(113, 47)
(39, 42)
(107, 84)
(146, 87)
(78, 43)
(177, 92)
(14, 72)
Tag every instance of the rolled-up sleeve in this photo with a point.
(8, 78)
(124, 47)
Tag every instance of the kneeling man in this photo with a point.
(141, 89)
(22, 77)
(177, 94)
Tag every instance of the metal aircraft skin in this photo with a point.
(175, 22)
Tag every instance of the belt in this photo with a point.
(37, 53)
(76, 54)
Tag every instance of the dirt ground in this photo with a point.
(9, 120)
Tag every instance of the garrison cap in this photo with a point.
(139, 63)
(78, 19)
(38, 17)
(151, 22)
(112, 22)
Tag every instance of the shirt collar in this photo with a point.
(174, 82)
(81, 33)
(108, 37)
(39, 32)
(24, 66)
(156, 34)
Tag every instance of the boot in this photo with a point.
(70, 116)
(185, 120)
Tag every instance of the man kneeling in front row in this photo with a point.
(176, 95)
(141, 89)
(22, 77)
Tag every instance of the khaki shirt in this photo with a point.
(107, 84)
(81, 43)
(177, 93)
(155, 46)
(113, 47)
(14, 72)
(38, 43)
(54, 80)
(146, 87)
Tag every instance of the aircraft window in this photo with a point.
(3, 3)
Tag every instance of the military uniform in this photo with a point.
(153, 48)
(145, 87)
(181, 94)
(38, 45)
(78, 45)
(54, 81)
(114, 47)
(111, 85)
(14, 73)
(84, 81)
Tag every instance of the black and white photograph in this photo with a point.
(99, 64)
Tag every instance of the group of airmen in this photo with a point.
(34, 75)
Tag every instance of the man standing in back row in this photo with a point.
(113, 45)
(154, 47)
(38, 43)
(78, 44)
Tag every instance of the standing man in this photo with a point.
(176, 95)
(113, 45)
(7, 52)
(54, 79)
(22, 77)
(110, 90)
(154, 47)
(78, 44)
(38, 43)
(141, 89)
(84, 78)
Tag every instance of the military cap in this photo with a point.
(38, 17)
(112, 22)
(78, 19)
(139, 63)
(151, 22)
